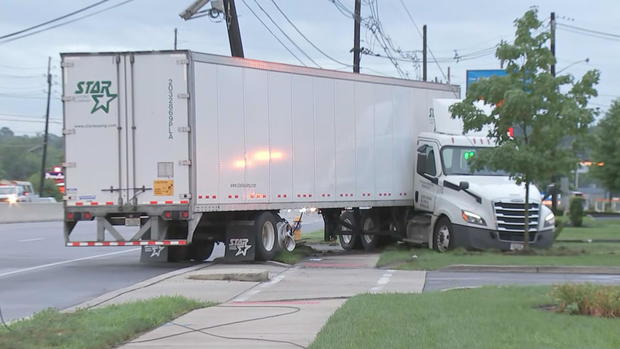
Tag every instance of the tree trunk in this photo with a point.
(526, 232)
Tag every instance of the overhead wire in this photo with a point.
(67, 22)
(306, 38)
(53, 20)
(285, 34)
(273, 34)
(590, 31)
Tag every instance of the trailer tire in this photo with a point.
(370, 241)
(443, 235)
(267, 242)
(348, 241)
(200, 250)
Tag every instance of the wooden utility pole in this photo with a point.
(356, 35)
(47, 122)
(552, 26)
(232, 24)
(175, 39)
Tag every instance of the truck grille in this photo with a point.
(511, 220)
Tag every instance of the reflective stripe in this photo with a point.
(126, 243)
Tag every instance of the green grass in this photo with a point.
(572, 254)
(592, 229)
(299, 253)
(105, 327)
(490, 317)
(316, 237)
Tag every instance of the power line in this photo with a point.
(306, 38)
(54, 20)
(273, 34)
(285, 34)
(591, 31)
(67, 22)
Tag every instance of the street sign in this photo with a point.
(475, 75)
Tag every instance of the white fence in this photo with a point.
(30, 212)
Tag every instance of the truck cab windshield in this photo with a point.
(455, 161)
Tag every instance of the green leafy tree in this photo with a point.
(606, 149)
(529, 98)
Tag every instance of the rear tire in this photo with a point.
(443, 236)
(369, 241)
(348, 241)
(267, 242)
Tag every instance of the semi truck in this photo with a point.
(193, 149)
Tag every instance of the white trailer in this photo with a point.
(194, 149)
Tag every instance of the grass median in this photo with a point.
(100, 328)
(561, 254)
(490, 317)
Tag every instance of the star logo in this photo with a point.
(102, 101)
(243, 249)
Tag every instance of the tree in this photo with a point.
(529, 98)
(606, 149)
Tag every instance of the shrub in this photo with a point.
(575, 211)
(588, 299)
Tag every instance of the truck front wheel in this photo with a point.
(267, 243)
(443, 237)
(348, 241)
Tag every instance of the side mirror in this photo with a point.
(464, 185)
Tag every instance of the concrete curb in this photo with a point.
(142, 284)
(549, 269)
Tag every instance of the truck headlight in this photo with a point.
(12, 199)
(473, 218)
(550, 220)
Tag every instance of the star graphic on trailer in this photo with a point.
(103, 101)
(243, 249)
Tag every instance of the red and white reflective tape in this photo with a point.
(126, 243)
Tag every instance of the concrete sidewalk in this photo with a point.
(285, 312)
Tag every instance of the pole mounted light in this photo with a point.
(195, 9)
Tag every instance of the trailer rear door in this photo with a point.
(127, 129)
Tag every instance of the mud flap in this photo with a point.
(240, 242)
(154, 254)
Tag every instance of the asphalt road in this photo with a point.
(438, 280)
(37, 271)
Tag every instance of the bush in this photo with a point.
(575, 211)
(588, 299)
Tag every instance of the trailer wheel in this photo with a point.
(267, 243)
(200, 250)
(369, 241)
(348, 241)
(443, 237)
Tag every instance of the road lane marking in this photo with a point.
(33, 239)
(43, 266)
(383, 280)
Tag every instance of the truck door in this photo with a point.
(159, 129)
(91, 95)
(427, 176)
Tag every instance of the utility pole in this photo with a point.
(554, 193)
(47, 122)
(356, 36)
(175, 39)
(552, 25)
(424, 48)
(232, 24)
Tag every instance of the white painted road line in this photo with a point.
(33, 239)
(43, 266)
(383, 280)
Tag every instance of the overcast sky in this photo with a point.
(469, 27)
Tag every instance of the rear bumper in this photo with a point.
(479, 238)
